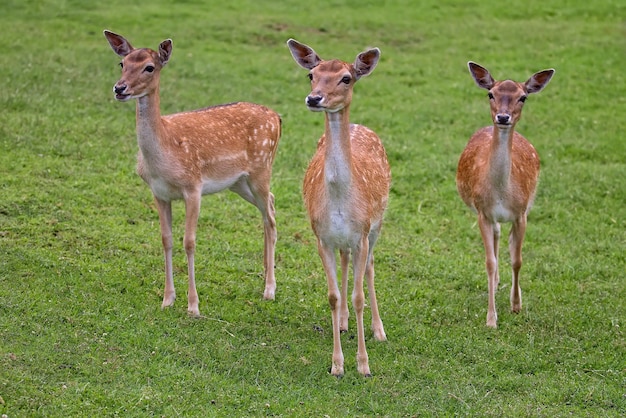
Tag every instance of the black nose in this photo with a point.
(119, 89)
(313, 100)
(503, 118)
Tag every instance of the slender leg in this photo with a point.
(359, 262)
(260, 196)
(269, 228)
(491, 263)
(377, 323)
(192, 210)
(344, 311)
(334, 299)
(516, 239)
(496, 247)
(165, 220)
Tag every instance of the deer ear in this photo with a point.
(539, 80)
(481, 76)
(365, 62)
(165, 51)
(304, 55)
(118, 43)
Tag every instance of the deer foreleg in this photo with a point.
(165, 221)
(334, 299)
(344, 312)
(359, 260)
(488, 232)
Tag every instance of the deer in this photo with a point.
(346, 189)
(190, 154)
(497, 176)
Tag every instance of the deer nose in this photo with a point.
(119, 89)
(313, 100)
(503, 118)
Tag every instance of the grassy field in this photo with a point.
(81, 280)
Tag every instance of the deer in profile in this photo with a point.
(190, 154)
(346, 188)
(497, 176)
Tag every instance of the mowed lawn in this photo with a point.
(82, 333)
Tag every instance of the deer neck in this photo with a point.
(150, 129)
(338, 157)
(500, 164)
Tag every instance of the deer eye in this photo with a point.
(122, 64)
(346, 79)
(149, 68)
(522, 99)
(490, 95)
(310, 76)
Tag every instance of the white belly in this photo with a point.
(168, 192)
(210, 186)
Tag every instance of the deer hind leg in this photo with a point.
(327, 254)
(269, 247)
(377, 323)
(260, 196)
(165, 221)
(516, 238)
(192, 211)
(490, 241)
(344, 312)
(359, 261)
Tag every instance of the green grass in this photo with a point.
(81, 280)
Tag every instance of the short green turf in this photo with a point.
(82, 333)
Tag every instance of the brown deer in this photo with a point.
(497, 176)
(346, 188)
(190, 154)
